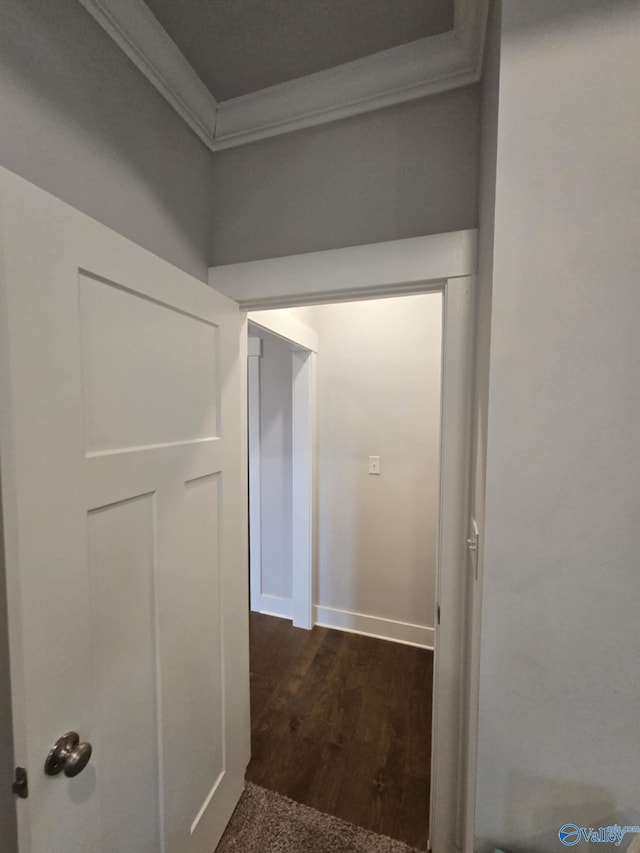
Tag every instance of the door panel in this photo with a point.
(125, 516)
(130, 368)
(203, 699)
(122, 564)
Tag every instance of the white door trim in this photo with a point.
(446, 263)
(303, 446)
(305, 345)
(450, 738)
(358, 272)
(284, 325)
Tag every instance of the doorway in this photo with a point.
(446, 263)
(281, 443)
(331, 724)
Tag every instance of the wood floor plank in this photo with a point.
(298, 671)
(393, 760)
(285, 651)
(416, 787)
(342, 723)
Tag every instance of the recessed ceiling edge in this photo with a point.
(423, 67)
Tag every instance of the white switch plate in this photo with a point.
(374, 464)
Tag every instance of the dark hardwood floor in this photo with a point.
(342, 723)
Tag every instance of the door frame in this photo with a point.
(304, 350)
(445, 263)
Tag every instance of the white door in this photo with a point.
(125, 512)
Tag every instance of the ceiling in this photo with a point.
(241, 46)
(238, 71)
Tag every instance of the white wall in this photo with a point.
(275, 460)
(379, 394)
(405, 171)
(560, 680)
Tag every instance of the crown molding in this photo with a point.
(424, 67)
(136, 30)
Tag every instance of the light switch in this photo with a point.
(374, 464)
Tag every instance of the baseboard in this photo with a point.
(273, 605)
(375, 626)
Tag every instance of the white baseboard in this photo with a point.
(375, 626)
(273, 605)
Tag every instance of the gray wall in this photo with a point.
(8, 829)
(560, 681)
(488, 161)
(401, 172)
(79, 120)
(276, 437)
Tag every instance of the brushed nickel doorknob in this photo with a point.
(68, 755)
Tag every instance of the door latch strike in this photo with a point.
(438, 617)
(21, 785)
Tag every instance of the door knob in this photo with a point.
(68, 755)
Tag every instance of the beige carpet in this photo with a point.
(265, 822)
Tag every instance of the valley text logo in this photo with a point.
(570, 834)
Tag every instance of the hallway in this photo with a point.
(342, 723)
